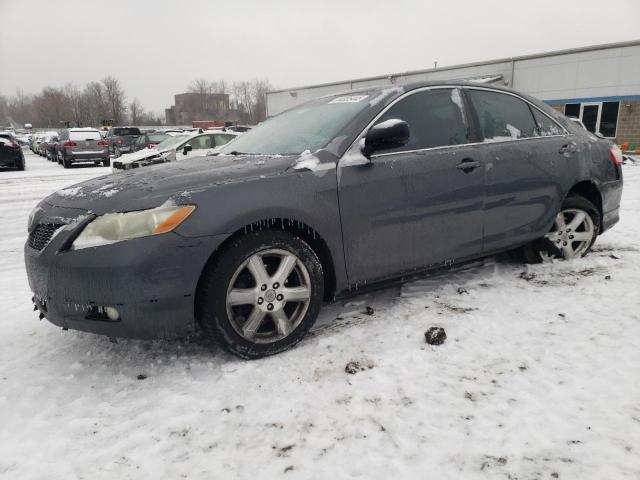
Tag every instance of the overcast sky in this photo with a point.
(157, 47)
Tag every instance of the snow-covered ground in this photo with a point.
(539, 378)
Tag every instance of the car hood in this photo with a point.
(140, 155)
(150, 187)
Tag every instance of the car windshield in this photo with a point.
(308, 127)
(171, 142)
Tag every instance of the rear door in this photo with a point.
(526, 160)
(419, 205)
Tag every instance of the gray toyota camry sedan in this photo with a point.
(339, 193)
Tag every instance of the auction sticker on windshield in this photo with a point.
(349, 99)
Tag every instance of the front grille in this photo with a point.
(41, 235)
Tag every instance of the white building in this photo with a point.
(598, 84)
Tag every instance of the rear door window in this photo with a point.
(501, 116)
(436, 118)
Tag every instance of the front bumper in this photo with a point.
(151, 281)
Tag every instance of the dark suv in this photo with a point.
(337, 194)
(82, 145)
(122, 139)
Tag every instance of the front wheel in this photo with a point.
(261, 295)
(572, 235)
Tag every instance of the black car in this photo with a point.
(337, 194)
(148, 140)
(11, 155)
(122, 139)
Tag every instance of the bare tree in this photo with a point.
(116, 99)
(4, 110)
(74, 103)
(94, 104)
(52, 107)
(205, 103)
(136, 111)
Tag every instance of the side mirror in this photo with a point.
(392, 133)
(187, 148)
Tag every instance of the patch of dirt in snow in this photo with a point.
(536, 380)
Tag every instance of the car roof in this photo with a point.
(406, 87)
(84, 129)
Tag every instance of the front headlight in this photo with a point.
(116, 227)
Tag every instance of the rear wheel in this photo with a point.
(65, 162)
(261, 295)
(106, 162)
(572, 235)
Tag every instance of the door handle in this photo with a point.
(467, 165)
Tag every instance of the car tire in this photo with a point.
(233, 320)
(66, 163)
(573, 237)
(106, 162)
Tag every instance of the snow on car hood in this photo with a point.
(141, 188)
(140, 155)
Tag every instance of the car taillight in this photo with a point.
(103, 143)
(616, 155)
(70, 144)
(151, 145)
(119, 141)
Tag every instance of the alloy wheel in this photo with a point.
(572, 233)
(268, 296)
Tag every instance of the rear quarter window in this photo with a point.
(546, 126)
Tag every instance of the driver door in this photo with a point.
(415, 206)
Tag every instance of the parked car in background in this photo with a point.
(149, 140)
(47, 141)
(11, 155)
(232, 128)
(121, 139)
(39, 138)
(82, 145)
(35, 145)
(178, 147)
(341, 192)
